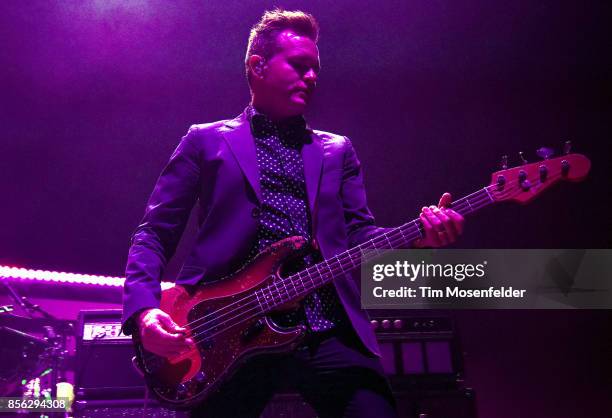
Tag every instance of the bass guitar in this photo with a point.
(229, 320)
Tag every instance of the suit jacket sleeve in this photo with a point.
(360, 223)
(159, 232)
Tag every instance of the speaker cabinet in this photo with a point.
(104, 368)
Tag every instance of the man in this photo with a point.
(259, 178)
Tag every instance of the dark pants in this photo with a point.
(333, 373)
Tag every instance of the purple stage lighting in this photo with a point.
(16, 273)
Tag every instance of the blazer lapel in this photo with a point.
(240, 140)
(312, 155)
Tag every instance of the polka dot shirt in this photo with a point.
(284, 211)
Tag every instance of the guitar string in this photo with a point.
(396, 240)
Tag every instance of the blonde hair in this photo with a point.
(262, 39)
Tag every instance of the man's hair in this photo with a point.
(262, 39)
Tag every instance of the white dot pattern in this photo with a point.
(284, 211)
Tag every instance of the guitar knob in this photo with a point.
(565, 167)
(181, 388)
(504, 162)
(501, 181)
(525, 185)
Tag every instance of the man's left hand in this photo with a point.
(442, 225)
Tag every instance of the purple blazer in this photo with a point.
(216, 163)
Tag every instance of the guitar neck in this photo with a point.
(300, 284)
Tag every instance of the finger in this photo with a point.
(458, 220)
(420, 242)
(433, 219)
(444, 225)
(427, 226)
(155, 330)
(431, 236)
(447, 223)
(170, 325)
(160, 334)
(175, 350)
(445, 200)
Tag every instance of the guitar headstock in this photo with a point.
(525, 182)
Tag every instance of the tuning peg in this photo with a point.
(504, 162)
(522, 157)
(567, 147)
(545, 153)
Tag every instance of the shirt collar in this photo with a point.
(292, 129)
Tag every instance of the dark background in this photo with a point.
(96, 94)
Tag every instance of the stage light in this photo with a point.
(20, 274)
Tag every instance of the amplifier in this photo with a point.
(418, 351)
(104, 368)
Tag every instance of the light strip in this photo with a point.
(69, 278)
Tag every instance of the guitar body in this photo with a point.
(192, 377)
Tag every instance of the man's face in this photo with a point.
(290, 76)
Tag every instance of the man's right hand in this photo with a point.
(161, 335)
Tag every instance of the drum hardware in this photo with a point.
(28, 358)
